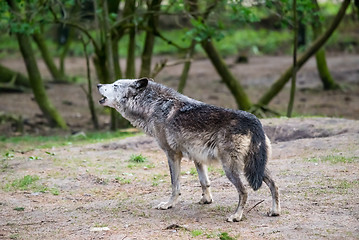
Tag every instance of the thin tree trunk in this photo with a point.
(89, 88)
(49, 61)
(116, 36)
(233, 85)
(316, 45)
(322, 66)
(109, 58)
(153, 7)
(36, 82)
(65, 50)
(129, 9)
(294, 74)
(186, 67)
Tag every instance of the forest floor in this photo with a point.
(94, 191)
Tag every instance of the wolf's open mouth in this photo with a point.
(103, 100)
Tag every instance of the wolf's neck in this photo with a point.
(140, 109)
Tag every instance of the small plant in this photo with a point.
(225, 236)
(55, 191)
(123, 180)
(31, 158)
(20, 209)
(14, 236)
(137, 158)
(9, 155)
(196, 233)
(50, 153)
(193, 172)
(25, 182)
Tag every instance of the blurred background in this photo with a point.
(236, 54)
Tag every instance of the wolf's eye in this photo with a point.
(115, 87)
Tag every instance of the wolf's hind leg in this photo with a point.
(233, 174)
(174, 162)
(275, 211)
(205, 183)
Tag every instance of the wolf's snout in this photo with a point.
(99, 85)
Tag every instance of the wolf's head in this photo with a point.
(119, 92)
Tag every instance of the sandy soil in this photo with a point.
(94, 192)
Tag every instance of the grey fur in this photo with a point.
(203, 133)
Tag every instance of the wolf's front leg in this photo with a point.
(174, 162)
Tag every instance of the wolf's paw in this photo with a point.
(234, 218)
(206, 200)
(165, 205)
(273, 213)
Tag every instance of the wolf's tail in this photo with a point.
(255, 164)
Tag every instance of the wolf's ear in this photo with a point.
(141, 83)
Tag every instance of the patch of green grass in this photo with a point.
(55, 191)
(334, 159)
(150, 165)
(196, 233)
(216, 170)
(345, 184)
(226, 236)
(14, 236)
(20, 209)
(137, 158)
(29, 142)
(157, 178)
(193, 172)
(123, 180)
(24, 183)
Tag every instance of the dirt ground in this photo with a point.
(93, 191)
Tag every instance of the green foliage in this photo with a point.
(58, 140)
(19, 209)
(193, 172)
(334, 159)
(202, 31)
(123, 180)
(196, 233)
(137, 158)
(225, 236)
(24, 183)
(242, 13)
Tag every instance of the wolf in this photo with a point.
(184, 127)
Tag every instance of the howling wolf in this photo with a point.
(203, 133)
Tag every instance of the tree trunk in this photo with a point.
(7, 75)
(36, 82)
(186, 68)
(294, 73)
(65, 50)
(116, 36)
(49, 61)
(152, 23)
(89, 89)
(109, 58)
(325, 76)
(129, 9)
(233, 85)
(316, 45)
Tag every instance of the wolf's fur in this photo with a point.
(203, 133)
